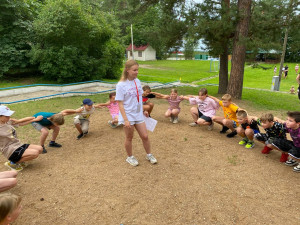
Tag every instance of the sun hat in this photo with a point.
(87, 101)
(5, 111)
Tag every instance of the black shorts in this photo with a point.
(287, 146)
(206, 118)
(264, 138)
(17, 154)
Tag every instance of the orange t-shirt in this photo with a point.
(230, 111)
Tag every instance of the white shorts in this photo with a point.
(132, 122)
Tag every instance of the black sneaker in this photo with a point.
(54, 144)
(224, 129)
(44, 150)
(79, 136)
(85, 133)
(232, 134)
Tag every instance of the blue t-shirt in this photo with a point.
(44, 122)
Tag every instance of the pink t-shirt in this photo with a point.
(113, 108)
(207, 107)
(174, 104)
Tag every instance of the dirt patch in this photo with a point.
(201, 177)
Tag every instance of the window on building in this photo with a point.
(140, 54)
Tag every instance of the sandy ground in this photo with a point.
(201, 177)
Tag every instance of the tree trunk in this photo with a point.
(235, 86)
(223, 72)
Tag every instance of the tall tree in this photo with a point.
(235, 87)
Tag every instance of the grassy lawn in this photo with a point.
(191, 70)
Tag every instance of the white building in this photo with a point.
(142, 53)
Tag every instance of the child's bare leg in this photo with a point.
(31, 152)
(202, 122)
(241, 131)
(168, 113)
(228, 123)
(194, 113)
(128, 139)
(175, 112)
(142, 131)
(8, 180)
(115, 120)
(146, 107)
(218, 119)
(55, 132)
(249, 133)
(44, 135)
(151, 105)
(78, 127)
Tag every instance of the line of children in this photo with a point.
(113, 108)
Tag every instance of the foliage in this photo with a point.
(72, 45)
(16, 33)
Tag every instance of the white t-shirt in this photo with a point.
(85, 115)
(126, 91)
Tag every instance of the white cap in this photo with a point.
(5, 111)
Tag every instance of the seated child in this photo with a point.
(10, 208)
(82, 120)
(174, 101)
(113, 108)
(292, 126)
(248, 127)
(229, 120)
(8, 179)
(206, 109)
(11, 147)
(292, 90)
(49, 121)
(274, 129)
(147, 106)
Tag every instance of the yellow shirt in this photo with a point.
(230, 111)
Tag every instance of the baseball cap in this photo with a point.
(5, 111)
(87, 101)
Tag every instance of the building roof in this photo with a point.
(140, 48)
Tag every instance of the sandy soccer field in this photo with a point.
(201, 177)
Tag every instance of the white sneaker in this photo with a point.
(211, 127)
(175, 120)
(151, 158)
(111, 124)
(193, 124)
(132, 160)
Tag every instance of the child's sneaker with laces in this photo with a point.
(250, 144)
(211, 126)
(151, 158)
(284, 157)
(193, 124)
(291, 162)
(132, 160)
(111, 124)
(297, 168)
(243, 142)
(17, 167)
(175, 120)
(224, 129)
(266, 150)
(79, 136)
(54, 144)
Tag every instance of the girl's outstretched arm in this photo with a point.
(159, 95)
(101, 105)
